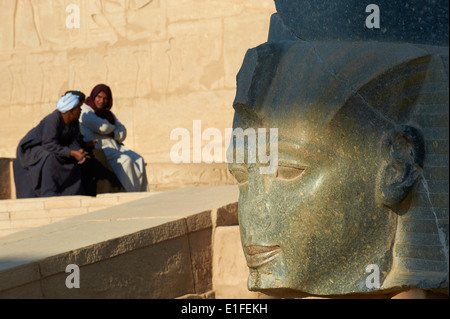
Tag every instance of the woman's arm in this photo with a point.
(96, 124)
(120, 133)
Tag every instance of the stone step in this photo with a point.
(160, 246)
(21, 214)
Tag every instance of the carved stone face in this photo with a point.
(327, 213)
(315, 222)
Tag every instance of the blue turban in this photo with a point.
(68, 102)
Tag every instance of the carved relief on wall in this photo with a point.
(118, 20)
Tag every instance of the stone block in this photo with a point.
(4, 216)
(58, 219)
(67, 212)
(8, 231)
(98, 202)
(135, 266)
(147, 248)
(19, 276)
(62, 202)
(5, 179)
(4, 206)
(5, 223)
(200, 244)
(24, 204)
(126, 197)
(30, 290)
(230, 271)
(29, 223)
(96, 208)
(199, 222)
(156, 271)
(29, 214)
(227, 215)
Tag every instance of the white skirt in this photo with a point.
(129, 168)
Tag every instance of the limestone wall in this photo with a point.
(168, 62)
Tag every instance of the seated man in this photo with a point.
(99, 124)
(49, 156)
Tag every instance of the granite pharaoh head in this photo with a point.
(350, 166)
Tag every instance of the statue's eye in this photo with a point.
(240, 174)
(288, 172)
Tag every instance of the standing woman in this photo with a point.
(99, 124)
(48, 157)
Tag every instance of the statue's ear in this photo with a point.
(403, 151)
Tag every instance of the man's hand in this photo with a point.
(79, 155)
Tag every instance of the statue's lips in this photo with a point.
(259, 255)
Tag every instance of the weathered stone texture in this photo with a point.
(168, 62)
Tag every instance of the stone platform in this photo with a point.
(159, 246)
(22, 214)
